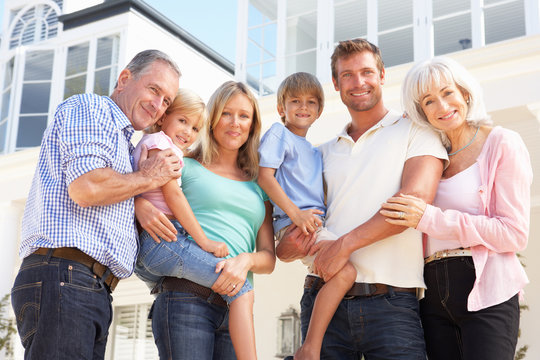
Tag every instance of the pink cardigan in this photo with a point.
(503, 230)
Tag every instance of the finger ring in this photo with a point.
(401, 215)
(234, 286)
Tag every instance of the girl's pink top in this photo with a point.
(503, 228)
(159, 141)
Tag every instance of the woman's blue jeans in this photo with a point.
(182, 259)
(186, 326)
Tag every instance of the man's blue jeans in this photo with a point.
(186, 326)
(379, 327)
(63, 310)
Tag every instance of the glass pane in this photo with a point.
(393, 14)
(253, 53)
(31, 130)
(301, 33)
(77, 59)
(452, 34)
(102, 84)
(504, 22)
(8, 75)
(445, 7)
(5, 105)
(306, 62)
(3, 135)
(74, 86)
(39, 65)
(107, 53)
(297, 7)
(270, 39)
(350, 20)
(397, 47)
(35, 98)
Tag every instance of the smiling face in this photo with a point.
(145, 98)
(445, 106)
(300, 112)
(359, 81)
(181, 128)
(234, 125)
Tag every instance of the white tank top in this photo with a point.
(460, 192)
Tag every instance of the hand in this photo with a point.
(218, 248)
(294, 244)
(404, 210)
(233, 274)
(331, 257)
(154, 221)
(161, 167)
(307, 220)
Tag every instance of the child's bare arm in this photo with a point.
(307, 220)
(177, 202)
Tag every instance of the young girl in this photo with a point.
(178, 129)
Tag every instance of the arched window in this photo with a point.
(36, 23)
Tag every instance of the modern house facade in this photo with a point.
(51, 49)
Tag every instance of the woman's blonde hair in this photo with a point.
(187, 102)
(433, 72)
(206, 151)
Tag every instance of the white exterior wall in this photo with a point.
(509, 73)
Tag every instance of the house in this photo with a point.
(52, 49)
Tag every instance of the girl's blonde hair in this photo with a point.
(189, 103)
(206, 151)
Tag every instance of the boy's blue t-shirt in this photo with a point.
(298, 167)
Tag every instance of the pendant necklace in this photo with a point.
(469, 143)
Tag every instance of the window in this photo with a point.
(262, 48)
(36, 91)
(5, 104)
(106, 65)
(503, 20)
(395, 31)
(350, 20)
(452, 26)
(76, 68)
(35, 24)
(301, 38)
(288, 327)
(132, 333)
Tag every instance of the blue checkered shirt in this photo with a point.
(88, 132)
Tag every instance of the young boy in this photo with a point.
(291, 174)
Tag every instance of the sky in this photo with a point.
(211, 21)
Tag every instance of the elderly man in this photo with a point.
(78, 230)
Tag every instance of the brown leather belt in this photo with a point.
(77, 255)
(358, 289)
(186, 286)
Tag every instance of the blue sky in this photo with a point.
(211, 21)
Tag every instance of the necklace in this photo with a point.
(469, 143)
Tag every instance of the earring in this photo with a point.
(468, 100)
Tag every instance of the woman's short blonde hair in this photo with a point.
(187, 102)
(431, 73)
(207, 151)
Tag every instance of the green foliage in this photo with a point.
(6, 326)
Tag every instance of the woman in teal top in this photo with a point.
(189, 320)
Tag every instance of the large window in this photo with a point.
(5, 104)
(36, 91)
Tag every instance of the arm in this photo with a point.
(306, 220)
(177, 202)
(104, 186)
(234, 270)
(506, 228)
(421, 175)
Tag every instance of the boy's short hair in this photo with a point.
(300, 83)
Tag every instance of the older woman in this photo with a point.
(478, 220)
(190, 321)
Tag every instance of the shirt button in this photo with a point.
(62, 283)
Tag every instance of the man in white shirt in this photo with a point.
(378, 154)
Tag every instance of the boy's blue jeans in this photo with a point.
(182, 258)
(63, 310)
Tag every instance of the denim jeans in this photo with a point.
(63, 311)
(454, 333)
(379, 327)
(182, 258)
(186, 326)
